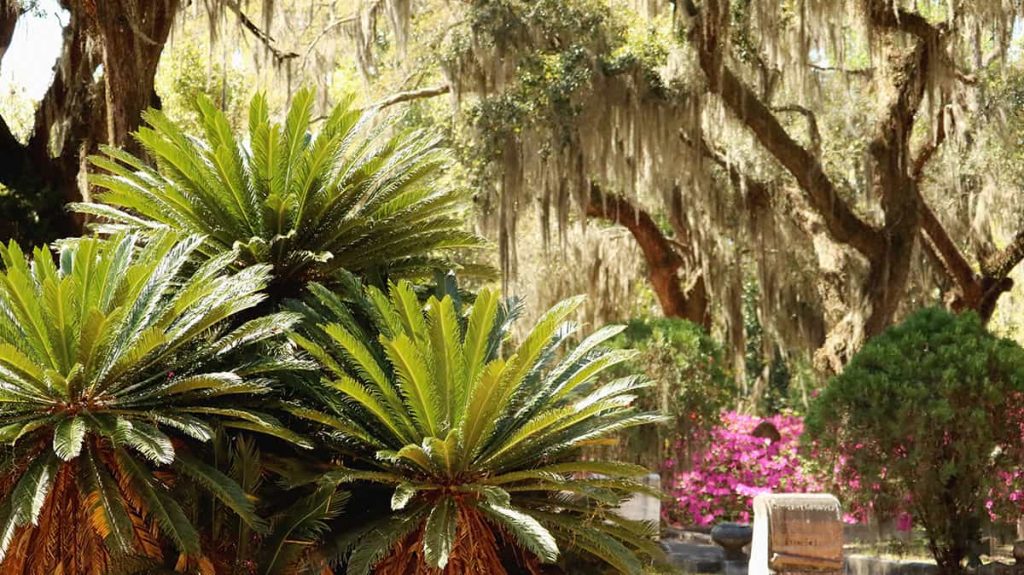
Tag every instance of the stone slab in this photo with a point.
(868, 565)
(797, 533)
(694, 557)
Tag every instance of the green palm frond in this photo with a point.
(298, 528)
(460, 430)
(115, 357)
(358, 194)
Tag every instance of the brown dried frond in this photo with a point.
(68, 538)
(59, 544)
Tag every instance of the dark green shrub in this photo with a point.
(927, 415)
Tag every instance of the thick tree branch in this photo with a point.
(944, 249)
(13, 157)
(9, 13)
(843, 224)
(84, 107)
(978, 292)
(1001, 263)
(663, 262)
(11, 151)
(891, 145)
(953, 260)
(889, 249)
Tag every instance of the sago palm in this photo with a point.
(115, 361)
(355, 194)
(481, 445)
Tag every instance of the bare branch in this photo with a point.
(268, 41)
(330, 27)
(812, 124)
(401, 97)
(410, 95)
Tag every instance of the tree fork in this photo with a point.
(888, 249)
(663, 262)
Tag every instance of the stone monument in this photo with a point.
(797, 533)
(644, 506)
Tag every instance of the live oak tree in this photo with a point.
(712, 129)
(102, 81)
(850, 159)
(926, 63)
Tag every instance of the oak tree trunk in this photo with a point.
(103, 81)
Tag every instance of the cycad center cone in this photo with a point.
(475, 551)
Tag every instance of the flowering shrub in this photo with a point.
(736, 466)
(927, 414)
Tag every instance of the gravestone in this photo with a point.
(644, 506)
(797, 533)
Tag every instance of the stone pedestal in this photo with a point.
(797, 533)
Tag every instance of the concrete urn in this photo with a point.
(732, 537)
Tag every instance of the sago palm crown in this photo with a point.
(480, 444)
(358, 193)
(115, 360)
